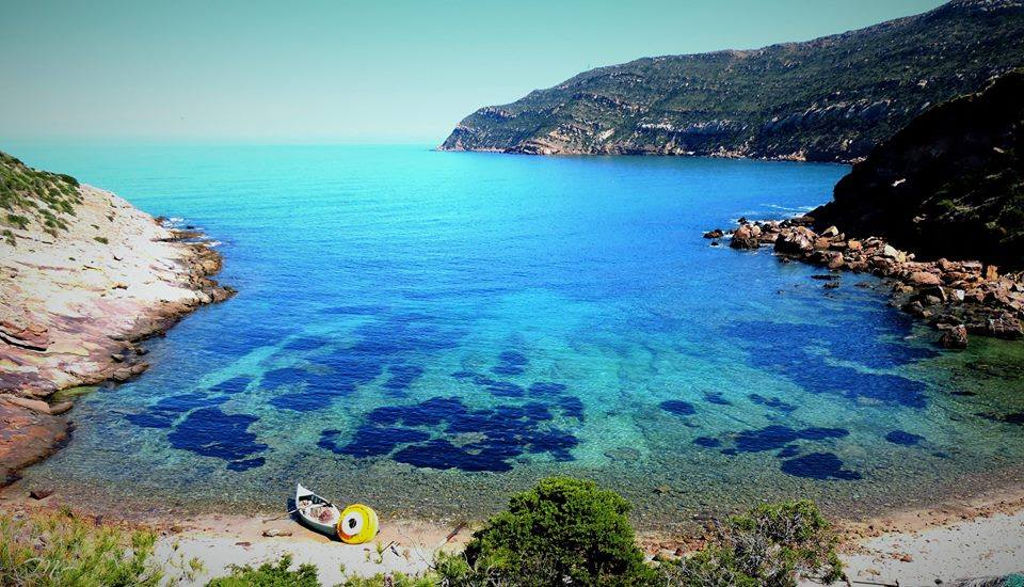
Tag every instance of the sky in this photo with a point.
(345, 71)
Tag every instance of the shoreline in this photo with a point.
(76, 305)
(947, 541)
(958, 298)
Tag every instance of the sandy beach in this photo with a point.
(980, 538)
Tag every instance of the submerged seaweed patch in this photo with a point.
(493, 437)
(678, 407)
(771, 402)
(212, 433)
(904, 438)
(716, 397)
(402, 376)
(776, 437)
(822, 466)
(788, 349)
(510, 363)
(164, 413)
(232, 386)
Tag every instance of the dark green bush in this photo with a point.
(562, 530)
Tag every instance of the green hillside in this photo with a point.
(830, 99)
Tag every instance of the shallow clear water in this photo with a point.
(428, 332)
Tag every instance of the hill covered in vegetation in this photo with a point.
(31, 196)
(829, 99)
(949, 184)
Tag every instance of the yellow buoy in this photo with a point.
(358, 524)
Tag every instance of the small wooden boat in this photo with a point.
(316, 512)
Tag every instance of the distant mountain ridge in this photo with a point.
(829, 99)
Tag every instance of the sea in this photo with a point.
(429, 332)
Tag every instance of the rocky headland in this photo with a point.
(950, 187)
(84, 277)
(828, 99)
(959, 298)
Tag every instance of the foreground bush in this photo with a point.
(562, 531)
(57, 550)
(772, 545)
(270, 575)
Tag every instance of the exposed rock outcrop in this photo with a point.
(950, 184)
(84, 276)
(956, 297)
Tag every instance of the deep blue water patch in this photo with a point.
(494, 436)
(510, 363)
(212, 433)
(772, 402)
(571, 407)
(822, 466)
(707, 442)
(904, 438)
(776, 437)
(402, 377)
(371, 441)
(168, 410)
(246, 464)
(232, 386)
(717, 398)
(678, 407)
(789, 349)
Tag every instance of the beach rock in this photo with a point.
(793, 243)
(924, 278)
(26, 437)
(745, 237)
(716, 233)
(276, 532)
(42, 493)
(954, 338)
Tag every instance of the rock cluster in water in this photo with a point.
(956, 297)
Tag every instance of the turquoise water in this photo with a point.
(428, 332)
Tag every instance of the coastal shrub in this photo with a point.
(393, 580)
(270, 575)
(58, 549)
(561, 531)
(772, 545)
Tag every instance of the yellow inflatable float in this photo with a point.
(358, 524)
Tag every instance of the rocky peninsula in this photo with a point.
(956, 297)
(84, 277)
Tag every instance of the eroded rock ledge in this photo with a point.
(74, 305)
(959, 298)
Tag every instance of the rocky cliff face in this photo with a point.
(830, 99)
(950, 184)
(83, 276)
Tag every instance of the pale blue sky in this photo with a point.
(339, 71)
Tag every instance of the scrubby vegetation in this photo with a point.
(772, 545)
(562, 532)
(59, 549)
(28, 195)
(828, 99)
(270, 575)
